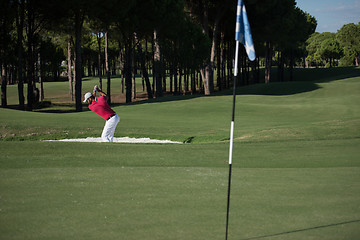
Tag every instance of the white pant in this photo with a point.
(109, 129)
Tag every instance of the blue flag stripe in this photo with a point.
(242, 30)
(238, 21)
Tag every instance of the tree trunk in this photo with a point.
(99, 59)
(142, 81)
(254, 77)
(122, 79)
(223, 62)
(4, 44)
(127, 67)
(78, 67)
(107, 68)
(292, 62)
(171, 76)
(133, 89)
(143, 68)
(280, 67)
(229, 64)
(3, 86)
(186, 81)
(31, 61)
(157, 66)
(70, 78)
(180, 76)
(193, 88)
(208, 73)
(122, 67)
(20, 27)
(41, 91)
(221, 58)
(218, 67)
(153, 67)
(268, 62)
(242, 61)
(175, 79)
(74, 72)
(163, 73)
(205, 73)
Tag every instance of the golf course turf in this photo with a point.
(296, 166)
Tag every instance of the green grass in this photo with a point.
(263, 112)
(178, 203)
(296, 168)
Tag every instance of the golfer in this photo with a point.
(102, 108)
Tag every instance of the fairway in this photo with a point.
(296, 167)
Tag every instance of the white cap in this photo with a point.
(87, 96)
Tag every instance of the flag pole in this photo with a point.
(232, 137)
(243, 35)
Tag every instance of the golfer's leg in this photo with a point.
(109, 129)
(113, 123)
(106, 132)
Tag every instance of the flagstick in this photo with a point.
(232, 137)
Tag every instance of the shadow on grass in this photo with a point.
(320, 75)
(278, 88)
(48, 107)
(275, 89)
(302, 230)
(305, 80)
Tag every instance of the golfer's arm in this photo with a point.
(102, 93)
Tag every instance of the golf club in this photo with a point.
(95, 92)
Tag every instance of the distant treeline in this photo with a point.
(187, 41)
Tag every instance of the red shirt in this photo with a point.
(101, 108)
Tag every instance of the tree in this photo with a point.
(6, 16)
(330, 50)
(107, 67)
(270, 25)
(323, 48)
(312, 46)
(157, 65)
(34, 24)
(79, 20)
(349, 38)
(279, 28)
(20, 8)
(69, 70)
(298, 27)
(143, 66)
(76, 11)
(209, 14)
(124, 26)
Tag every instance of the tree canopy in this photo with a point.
(169, 37)
(349, 39)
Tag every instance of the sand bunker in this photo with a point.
(116, 140)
